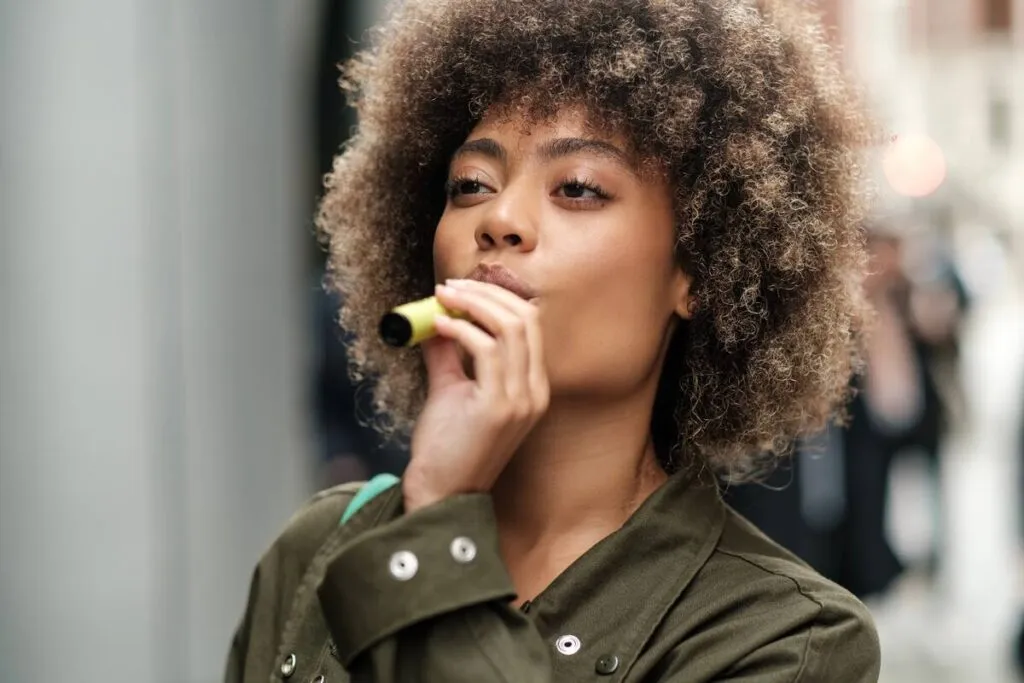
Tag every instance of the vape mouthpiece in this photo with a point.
(412, 323)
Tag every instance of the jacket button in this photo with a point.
(288, 666)
(319, 679)
(568, 645)
(607, 665)
(403, 565)
(463, 550)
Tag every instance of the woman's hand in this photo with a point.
(471, 426)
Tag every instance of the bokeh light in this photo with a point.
(914, 165)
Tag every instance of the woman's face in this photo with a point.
(567, 211)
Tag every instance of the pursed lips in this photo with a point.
(497, 274)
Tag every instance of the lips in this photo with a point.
(499, 275)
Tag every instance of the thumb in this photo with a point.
(444, 364)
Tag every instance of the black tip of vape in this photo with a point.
(395, 329)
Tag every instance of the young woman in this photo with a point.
(645, 215)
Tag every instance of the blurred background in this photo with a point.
(172, 385)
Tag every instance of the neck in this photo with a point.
(583, 468)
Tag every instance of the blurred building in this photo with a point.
(949, 69)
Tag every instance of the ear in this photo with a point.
(685, 303)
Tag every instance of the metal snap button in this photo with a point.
(288, 665)
(319, 679)
(463, 550)
(607, 665)
(403, 565)
(568, 645)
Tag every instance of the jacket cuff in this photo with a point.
(441, 558)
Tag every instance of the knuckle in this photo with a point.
(521, 411)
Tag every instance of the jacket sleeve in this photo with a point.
(240, 642)
(275, 581)
(425, 599)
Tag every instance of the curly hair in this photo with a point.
(741, 102)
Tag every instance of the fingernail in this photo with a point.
(444, 289)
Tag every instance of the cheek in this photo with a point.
(607, 348)
(445, 250)
(608, 329)
(632, 273)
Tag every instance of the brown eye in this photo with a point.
(457, 187)
(582, 191)
(577, 191)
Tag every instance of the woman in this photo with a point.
(648, 211)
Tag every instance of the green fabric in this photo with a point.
(369, 491)
(687, 591)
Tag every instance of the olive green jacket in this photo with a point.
(686, 591)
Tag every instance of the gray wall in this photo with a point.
(153, 429)
(371, 11)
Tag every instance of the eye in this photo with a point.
(464, 185)
(579, 191)
(582, 190)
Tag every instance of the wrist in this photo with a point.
(417, 501)
(417, 494)
(420, 488)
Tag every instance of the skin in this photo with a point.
(553, 416)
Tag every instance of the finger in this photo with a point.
(489, 312)
(444, 366)
(505, 325)
(511, 300)
(482, 347)
(529, 313)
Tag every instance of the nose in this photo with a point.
(509, 222)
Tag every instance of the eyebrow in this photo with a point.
(483, 146)
(551, 150)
